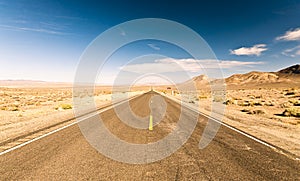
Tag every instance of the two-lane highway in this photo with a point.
(66, 155)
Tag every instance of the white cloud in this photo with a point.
(153, 46)
(51, 25)
(291, 35)
(187, 65)
(292, 52)
(40, 30)
(255, 50)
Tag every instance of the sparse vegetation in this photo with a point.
(63, 107)
(251, 96)
(258, 97)
(295, 112)
(295, 102)
(257, 112)
(244, 103)
(269, 104)
(202, 97)
(285, 105)
(246, 110)
(14, 109)
(257, 104)
(228, 102)
(290, 93)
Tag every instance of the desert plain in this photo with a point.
(263, 104)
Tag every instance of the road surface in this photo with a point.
(66, 155)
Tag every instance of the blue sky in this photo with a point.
(43, 40)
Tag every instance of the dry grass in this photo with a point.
(23, 110)
(260, 102)
(295, 112)
(271, 114)
(63, 107)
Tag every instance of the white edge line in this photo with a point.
(216, 120)
(105, 109)
(66, 126)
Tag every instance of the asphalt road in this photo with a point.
(66, 155)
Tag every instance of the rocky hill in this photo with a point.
(287, 77)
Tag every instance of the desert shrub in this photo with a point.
(244, 103)
(236, 98)
(257, 104)
(290, 93)
(192, 102)
(63, 107)
(295, 102)
(256, 112)
(292, 112)
(269, 104)
(60, 99)
(245, 110)
(30, 103)
(251, 96)
(66, 106)
(285, 105)
(37, 103)
(228, 102)
(14, 109)
(3, 108)
(202, 97)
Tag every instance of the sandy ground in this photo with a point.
(66, 155)
(25, 110)
(256, 111)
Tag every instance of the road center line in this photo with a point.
(150, 122)
(278, 149)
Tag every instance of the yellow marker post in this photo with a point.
(151, 123)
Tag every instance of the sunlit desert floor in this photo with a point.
(25, 110)
(270, 114)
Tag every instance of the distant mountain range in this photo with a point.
(32, 83)
(295, 69)
(287, 77)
